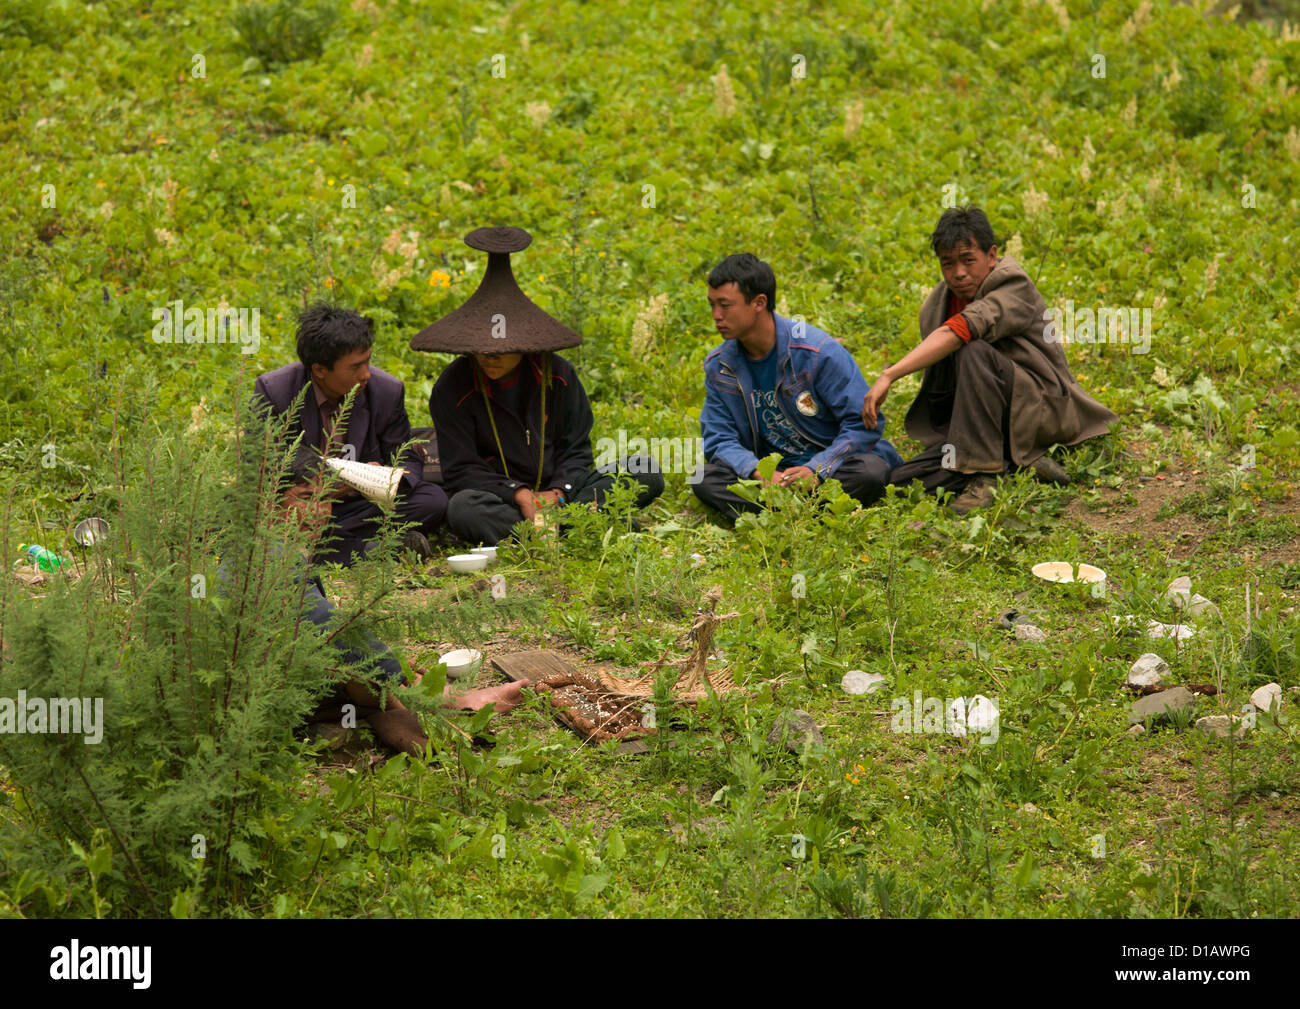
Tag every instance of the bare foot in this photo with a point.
(400, 729)
(504, 697)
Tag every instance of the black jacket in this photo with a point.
(468, 451)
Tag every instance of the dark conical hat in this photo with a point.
(497, 307)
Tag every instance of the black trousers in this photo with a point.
(479, 516)
(356, 520)
(969, 395)
(862, 476)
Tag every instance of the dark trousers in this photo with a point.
(356, 520)
(478, 516)
(375, 655)
(969, 394)
(862, 476)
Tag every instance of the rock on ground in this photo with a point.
(792, 728)
(1147, 671)
(1030, 632)
(1266, 696)
(1179, 632)
(855, 681)
(1160, 705)
(1219, 725)
(1179, 595)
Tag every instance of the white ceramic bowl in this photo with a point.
(461, 662)
(1063, 571)
(489, 552)
(464, 563)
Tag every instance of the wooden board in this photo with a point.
(532, 665)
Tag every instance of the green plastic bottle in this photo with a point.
(42, 558)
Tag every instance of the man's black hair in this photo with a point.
(750, 274)
(959, 226)
(326, 333)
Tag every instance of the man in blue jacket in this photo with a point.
(784, 387)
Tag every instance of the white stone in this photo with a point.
(1147, 671)
(1180, 632)
(855, 681)
(1214, 725)
(1137, 730)
(1266, 696)
(1220, 725)
(1179, 595)
(1030, 632)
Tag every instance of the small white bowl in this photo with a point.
(489, 552)
(1095, 576)
(461, 662)
(465, 563)
(1063, 571)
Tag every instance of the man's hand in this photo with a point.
(298, 504)
(797, 475)
(933, 349)
(524, 502)
(774, 481)
(547, 497)
(874, 399)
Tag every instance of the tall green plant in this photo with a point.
(188, 627)
(286, 30)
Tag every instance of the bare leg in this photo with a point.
(505, 697)
(397, 726)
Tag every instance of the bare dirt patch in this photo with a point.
(1135, 509)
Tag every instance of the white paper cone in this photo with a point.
(378, 483)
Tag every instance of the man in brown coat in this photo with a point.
(995, 394)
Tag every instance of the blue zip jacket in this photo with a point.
(819, 388)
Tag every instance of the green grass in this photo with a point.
(231, 187)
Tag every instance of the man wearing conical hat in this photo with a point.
(997, 392)
(334, 346)
(512, 419)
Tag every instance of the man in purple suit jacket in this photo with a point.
(334, 351)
